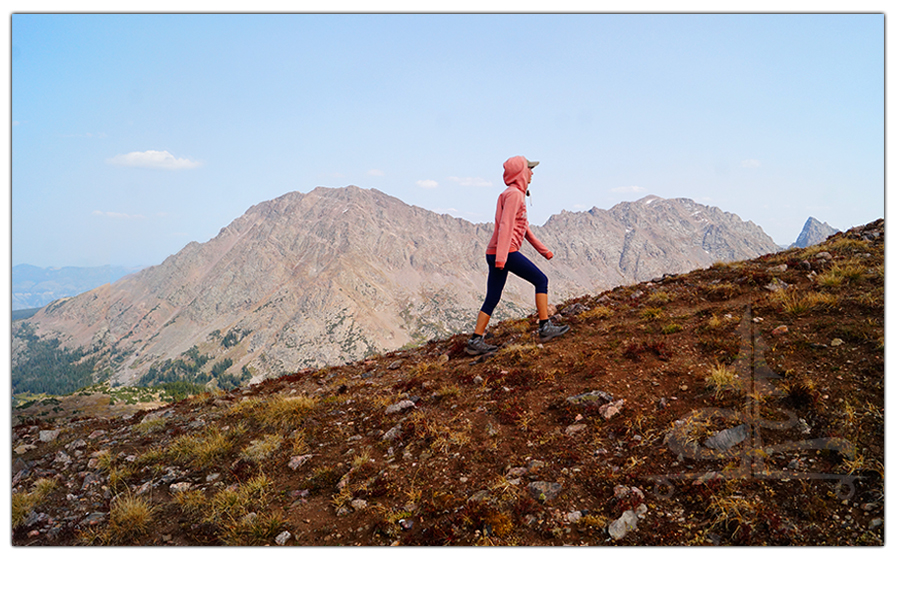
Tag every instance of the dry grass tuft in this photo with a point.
(723, 379)
(24, 503)
(130, 517)
(203, 449)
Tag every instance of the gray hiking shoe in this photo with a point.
(477, 346)
(550, 330)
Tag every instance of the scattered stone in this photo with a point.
(544, 491)
(575, 429)
(63, 459)
(406, 524)
(824, 255)
(48, 435)
(780, 330)
(395, 365)
(94, 519)
(574, 309)
(358, 504)
(393, 433)
(179, 487)
(779, 268)
(76, 444)
(24, 448)
(213, 477)
(574, 516)
(593, 397)
(776, 285)
(398, 407)
(836, 342)
(726, 439)
(876, 523)
(619, 528)
(610, 410)
(96, 434)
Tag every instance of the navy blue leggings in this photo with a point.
(519, 265)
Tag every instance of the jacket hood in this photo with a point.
(515, 172)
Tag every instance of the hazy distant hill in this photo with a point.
(322, 278)
(36, 287)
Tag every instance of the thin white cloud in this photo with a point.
(629, 189)
(470, 181)
(376, 172)
(427, 184)
(751, 164)
(119, 215)
(161, 160)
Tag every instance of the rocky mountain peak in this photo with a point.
(814, 232)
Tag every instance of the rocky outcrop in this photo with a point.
(813, 233)
(334, 275)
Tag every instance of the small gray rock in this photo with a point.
(726, 439)
(544, 491)
(393, 433)
(398, 407)
(624, 524)
(180, 487)
(593, 397)
(48, 435)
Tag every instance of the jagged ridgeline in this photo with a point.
(336, 275)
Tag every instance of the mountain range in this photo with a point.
(330, 276)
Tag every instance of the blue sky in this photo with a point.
(133, 135)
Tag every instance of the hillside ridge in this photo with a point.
(741, 404)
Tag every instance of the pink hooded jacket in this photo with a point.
(511, 219)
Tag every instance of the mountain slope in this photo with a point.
(307, 280)
(738, 405)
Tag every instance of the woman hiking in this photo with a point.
(503, 257)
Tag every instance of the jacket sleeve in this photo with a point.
(507, 224)
(540, 247)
